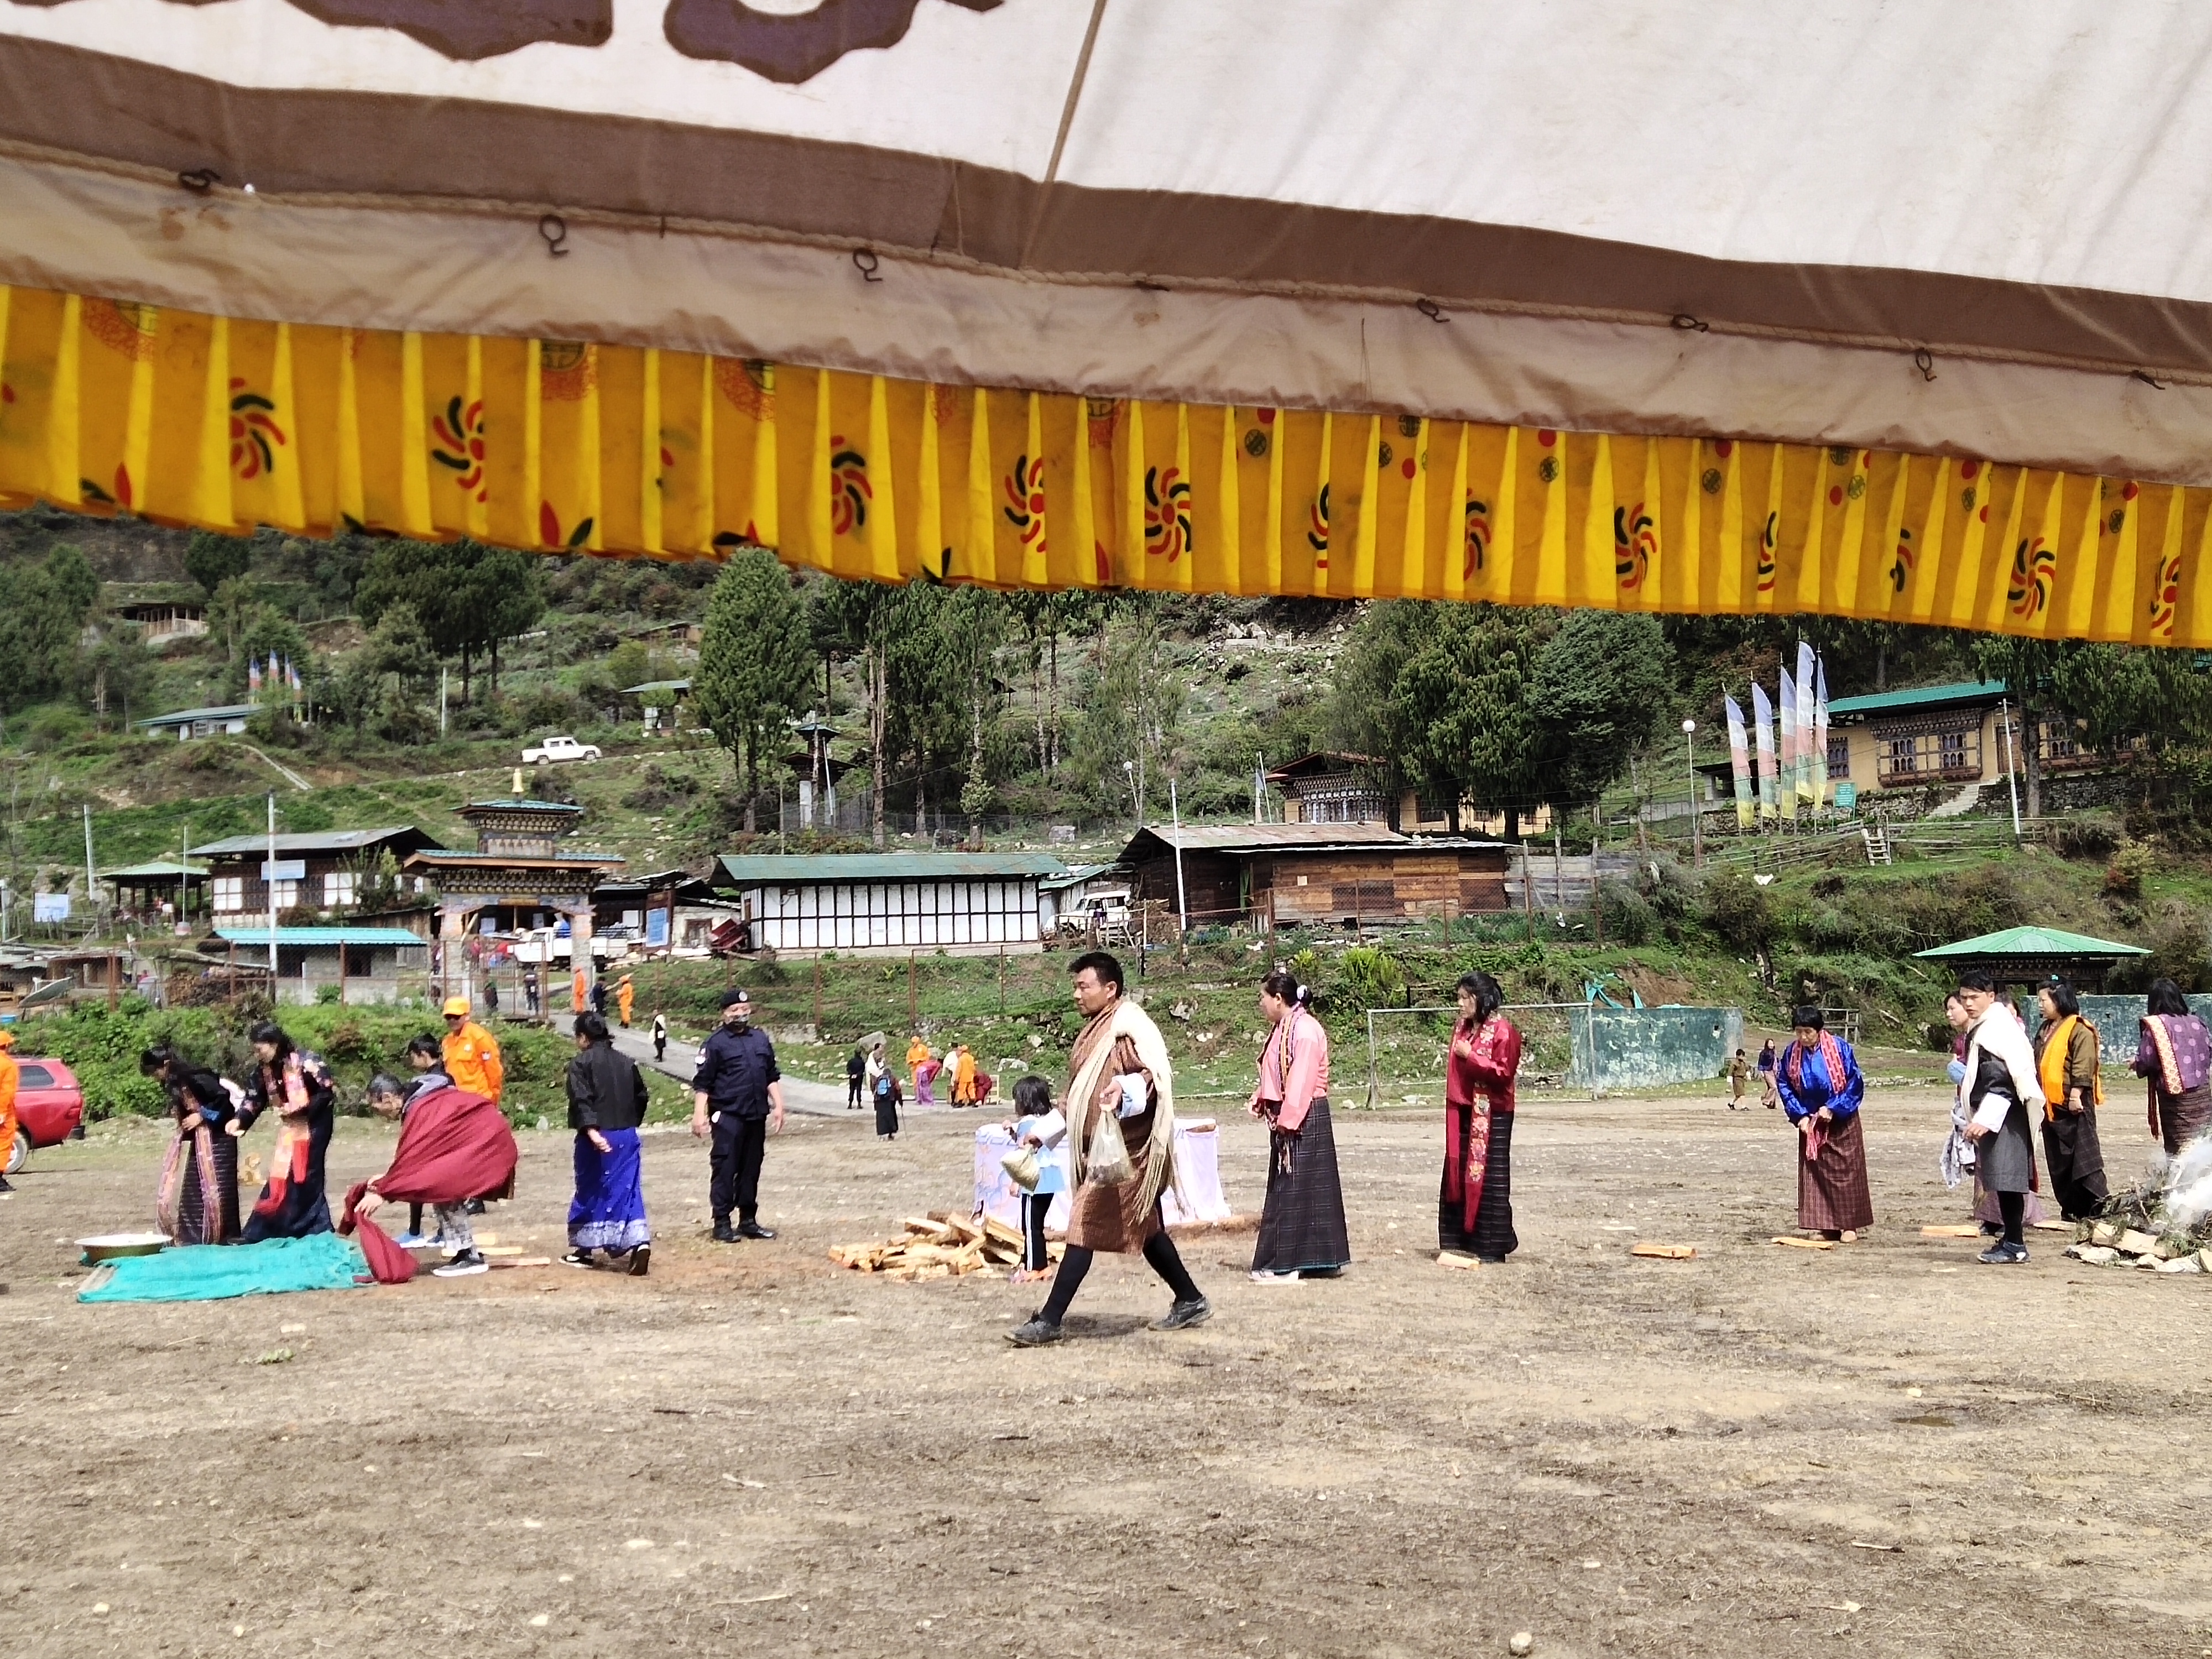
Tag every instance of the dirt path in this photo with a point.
(753, 1452)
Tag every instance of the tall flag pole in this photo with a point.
(1739, 764)
(1821, 732)
(1805, 760)
(1762, 715)
(1788, 780)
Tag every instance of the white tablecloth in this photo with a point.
(1196, 1195)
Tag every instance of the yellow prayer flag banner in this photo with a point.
(108, 407)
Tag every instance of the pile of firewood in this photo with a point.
(938, 1246)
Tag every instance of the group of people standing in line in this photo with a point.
(2007, 1085)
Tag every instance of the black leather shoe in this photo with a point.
(754, 1230)
(724, 1233)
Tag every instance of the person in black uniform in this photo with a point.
(737, 1097)
(856, 1072)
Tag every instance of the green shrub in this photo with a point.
(2091, 835)
(1737, 911)
(2124, 875)
(1626, 915)
(1369, 977)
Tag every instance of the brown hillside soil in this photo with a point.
(752, 1451)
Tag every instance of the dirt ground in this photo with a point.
(1884, 1450)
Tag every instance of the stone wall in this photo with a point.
(2118, 1021)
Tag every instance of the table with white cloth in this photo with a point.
(1196, 1194)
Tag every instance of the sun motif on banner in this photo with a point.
(1635, 541)
(1025, 508)
(1478, 536)
(2033, 568)
(748, 383)
(849, 491)
(1317, 529)
(1768, 538)
(1167, 513)
(549, 529)
(460, 446)
(2165, 598)
(252, 430)
(2117, 519)
(1901, 562)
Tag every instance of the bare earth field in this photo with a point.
(1884, 1450)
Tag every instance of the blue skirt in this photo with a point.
(608, 1212)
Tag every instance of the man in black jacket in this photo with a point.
(607, 1100)
(737, 1097)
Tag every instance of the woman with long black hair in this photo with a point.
(297, 1085)
(1301, 1231)
(1474, 1210)
(197, 1200)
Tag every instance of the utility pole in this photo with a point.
(2012, 765)
(443, 674)
(1697, 818)
(1175, 817)
(268, 880)
(91, 879)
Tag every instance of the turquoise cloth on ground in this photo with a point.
(210, 1272)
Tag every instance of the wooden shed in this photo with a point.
(1315, 873)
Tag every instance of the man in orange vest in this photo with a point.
(9, 1074)
(471, 1055)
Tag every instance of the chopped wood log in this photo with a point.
(1950, 1232)
(1806, 1244)
(1454, 1259)
(1665, 1252)
(526, 1262)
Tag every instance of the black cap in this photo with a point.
(731, 998)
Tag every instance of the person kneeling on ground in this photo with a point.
(452, 1146)
(1119, 1124)
(606, 1103)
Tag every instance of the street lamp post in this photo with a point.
(1697, 818)
(1136, 803)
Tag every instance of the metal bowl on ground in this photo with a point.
(107, 1247)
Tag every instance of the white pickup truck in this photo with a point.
(559, 748)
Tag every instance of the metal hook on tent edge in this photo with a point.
(555, 229)
(865, 261)
(1432, 310)
(199, 180)
(1689, 325)
(2147, 378)
(1925, 360)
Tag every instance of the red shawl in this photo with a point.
(453, 1146)
(1485, 1059)
(1832, 1057)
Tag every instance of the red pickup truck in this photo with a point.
(49, 1107)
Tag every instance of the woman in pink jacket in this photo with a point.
(1302, 1233)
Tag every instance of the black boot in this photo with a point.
(724, 1233)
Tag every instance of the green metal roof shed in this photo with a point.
(2022, 954)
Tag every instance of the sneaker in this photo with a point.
(1262, 1276)
(412, 1240)
(2004, 1254)
(1038, 1332)
(1183, 1315)
(474, 1207)
(462, 1265)
(578, 1259)
(724, 1233)
(641, 1260)
(754, 1230)
(4, 1185)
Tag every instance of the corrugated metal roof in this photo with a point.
(779, 869)
(319, 840)
(1270, 837)
(152, 872)
(1075, 873)
(366, 936)
(2037, 942)
(1926, 696)
(229, 711)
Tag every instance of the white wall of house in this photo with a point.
(917, 916)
